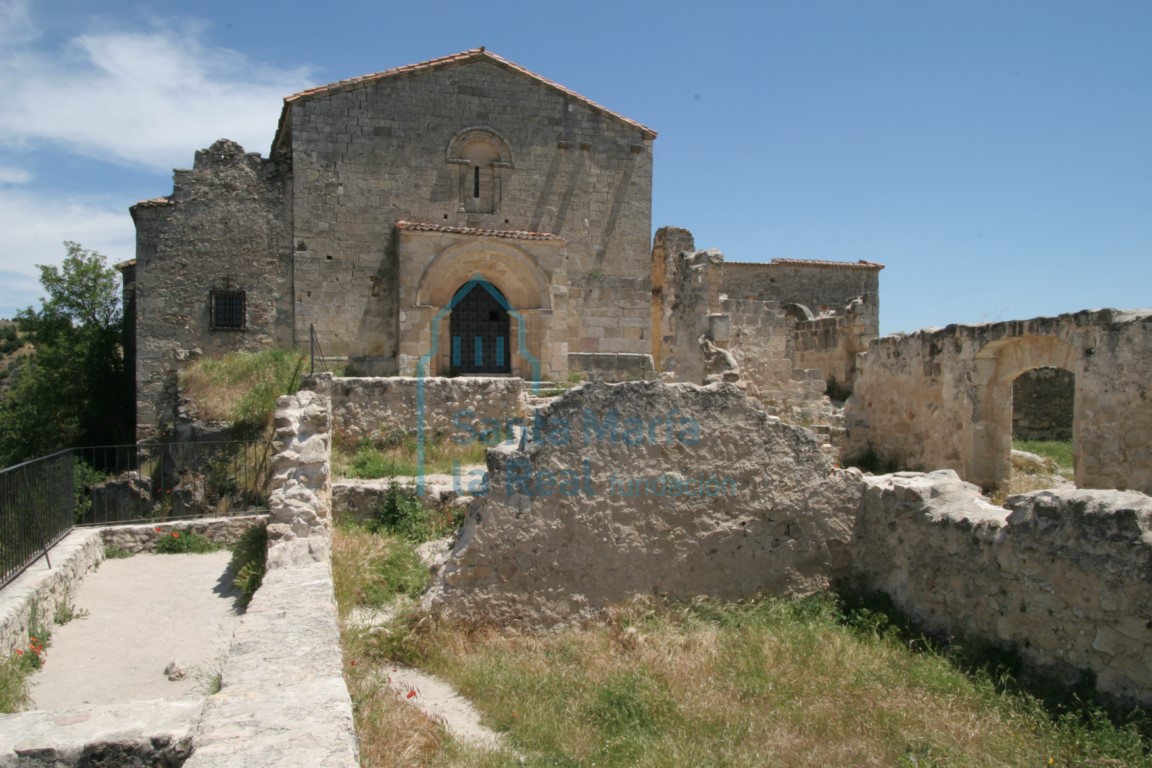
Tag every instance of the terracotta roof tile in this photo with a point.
(419, 226)
(457, 58)
(861, 264)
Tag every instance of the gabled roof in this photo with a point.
(476, 54)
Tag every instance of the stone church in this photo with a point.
(458, 216)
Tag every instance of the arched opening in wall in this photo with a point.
(483, 157)
(1043, 405)
(479, 330)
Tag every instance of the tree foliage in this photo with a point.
(74, 389)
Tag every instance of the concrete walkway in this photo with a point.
(142, 613)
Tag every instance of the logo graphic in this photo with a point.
(479, 344)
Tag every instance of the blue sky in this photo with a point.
(996, 155)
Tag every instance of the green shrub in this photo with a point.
(177, 543)
(249, 562)
(401, 513)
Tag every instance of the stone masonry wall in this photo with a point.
(832, 344)
(225, 226)
(381, 408)
(1042, 404)
(648, 489)
(942, 398)
(821, 286)
(760, 337)
(365, 157)
(300, 484)
(1065, 577)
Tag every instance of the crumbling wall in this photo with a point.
(1064, 577)
(941, 398)
(226, 226)
(381, 408)
(819, 286)
(300, 488)
(667, 246)
(832, 344)
(640, 489)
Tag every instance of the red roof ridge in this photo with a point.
(509, 234)
(474, 53)
(861, 264)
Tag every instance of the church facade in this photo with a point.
(458, 216)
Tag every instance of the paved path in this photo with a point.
(143, 612)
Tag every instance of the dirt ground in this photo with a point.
(143, 612)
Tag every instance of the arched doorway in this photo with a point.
(479, 330)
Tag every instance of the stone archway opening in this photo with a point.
(1043, 417)
(479, 330)
(997, 368)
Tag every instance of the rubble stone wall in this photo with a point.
(379, 408)
(832, 344)
(224, 227)
(646, 488)
(942, 398)
(1064, 577)
(300, 485)
(1042, 404)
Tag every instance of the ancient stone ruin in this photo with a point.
(463, 234)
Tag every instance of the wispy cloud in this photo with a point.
(14, 175)
(139, 98)
(35, 228)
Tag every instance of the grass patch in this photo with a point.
(21, 663)
(370, 570)
(177, 543)
(766, 682)
(401, 513)
(13, 686)
(242, 387)
(1058, 451)
(117, 553)
(395, 456)
(249, 563)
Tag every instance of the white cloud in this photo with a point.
(146, 99)
(14, 175)
(15, 22)
(35, 228)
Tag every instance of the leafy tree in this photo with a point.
(74, 389)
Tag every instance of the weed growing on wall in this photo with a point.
(401, 513)
(249, 562)
(177, 543)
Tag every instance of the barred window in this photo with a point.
(227, 310)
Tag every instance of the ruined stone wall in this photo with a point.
(1062, 576)
(667, 246)
(365, 157)
(381, 408)
(760, 339)
(300, 488)
(756, 333)
(832, 345)
(225, 226)
(820, 286)
(694, 298)
(648, 489)
(1042, 404)
(942, 398)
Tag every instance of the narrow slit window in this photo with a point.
(475, 181)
